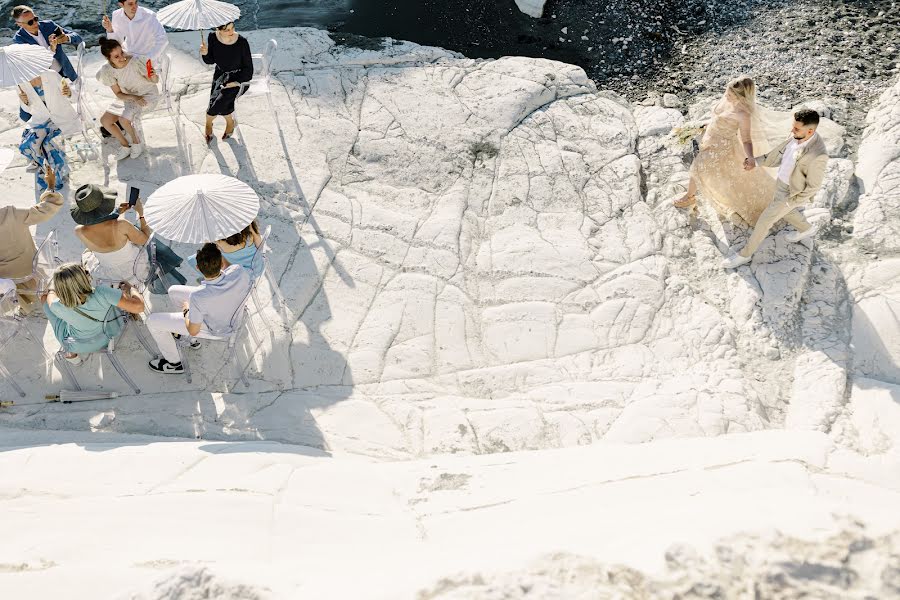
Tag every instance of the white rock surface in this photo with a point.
(479, 257)
(532, 8)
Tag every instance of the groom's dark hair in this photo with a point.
(807, 116)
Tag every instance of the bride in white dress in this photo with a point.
(740, 129)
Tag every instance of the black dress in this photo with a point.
(233, 63)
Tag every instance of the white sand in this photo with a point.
(478, 257)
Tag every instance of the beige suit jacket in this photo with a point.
(809, 169)
(17, 248)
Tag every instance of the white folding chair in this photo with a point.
(259, 85)
(262, 266)
(230, 336)
(46, 258)
(109, 351)
(143, 271)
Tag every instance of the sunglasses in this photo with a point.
(29, 22)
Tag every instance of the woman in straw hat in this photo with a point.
(84, 318)
(115, 243)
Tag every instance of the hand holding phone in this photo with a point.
(133, 195)
(58, 32)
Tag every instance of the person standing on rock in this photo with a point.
(137, 29)
(230, 52)
(801, 160)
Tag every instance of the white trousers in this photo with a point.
(163, 325)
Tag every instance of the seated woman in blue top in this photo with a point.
(77, 311)
(240, 249)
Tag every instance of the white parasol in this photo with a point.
(198, 14)
(201, 208)
(22, 62)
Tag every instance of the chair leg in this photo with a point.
(142, 338)
(275, 288)
(237, 367)
(184, 360)
(66, 370)
(122, 372)
(255, 294)
(12, 382)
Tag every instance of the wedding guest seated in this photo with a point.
(51, 117)
(116, 244)
(207, 309)
(77, 311)
(49, 35)
(240, 249)
(135, 92)
(17, 250)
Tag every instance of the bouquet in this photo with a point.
(688, 132)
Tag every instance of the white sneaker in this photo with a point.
(136, 150)
(122, 153)
(75, 360)
(796, 236)
(734, 260)
(32, 167)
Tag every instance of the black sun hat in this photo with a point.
(94, 204)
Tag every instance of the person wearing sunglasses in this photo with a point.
(137, 29)
(230, 52)
(49, 35)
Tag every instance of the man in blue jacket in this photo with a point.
(42, 33)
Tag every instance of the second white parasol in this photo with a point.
(22, 62)
(198, 14)
(201, 208)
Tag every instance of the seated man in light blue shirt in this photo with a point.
(208, 309)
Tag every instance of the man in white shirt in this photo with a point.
(137, 29)
(801, 160)
(208, 309)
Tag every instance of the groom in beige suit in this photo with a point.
(801, 162)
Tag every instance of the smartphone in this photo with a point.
(59, 31)
(149, 69)
(133, 195)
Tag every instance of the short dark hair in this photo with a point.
(807, 116)
(209, 260)
(20, 10)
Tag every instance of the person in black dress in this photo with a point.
(230, 52)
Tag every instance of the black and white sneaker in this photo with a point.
(194, 345)
(161, 365)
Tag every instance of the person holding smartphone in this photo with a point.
(48, 35)
(116, 244)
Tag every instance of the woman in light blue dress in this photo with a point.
(84, 318)
(241, 249)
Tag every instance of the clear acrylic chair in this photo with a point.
(89, 148)
(262, 266)
(46, 258)
(259, 85)
(239, 320)
(12, 326)
(114, 315)
(144, 270)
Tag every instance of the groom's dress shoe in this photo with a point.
(734, 260)
(801, 235)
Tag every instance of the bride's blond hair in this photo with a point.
(744, 90)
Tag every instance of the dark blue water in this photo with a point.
(610, 39)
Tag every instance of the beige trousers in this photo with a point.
(780, 208)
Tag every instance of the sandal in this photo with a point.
(209, 136)
(227, 135)
(685, 202)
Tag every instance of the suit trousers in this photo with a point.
(163, 325)
(780, 208)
